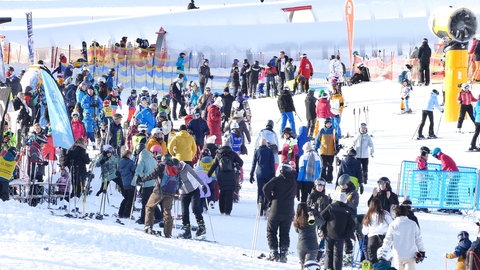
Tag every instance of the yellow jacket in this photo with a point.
(182, 146)
(152, 141)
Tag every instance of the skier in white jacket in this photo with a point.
(404, 236)
(361, 144)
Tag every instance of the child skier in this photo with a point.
(460, 250)
(131, 103)
(405, 96)
(422, 165)
(90, 127)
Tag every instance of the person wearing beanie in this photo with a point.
(310, 168)
(428, 112)
(339, 226)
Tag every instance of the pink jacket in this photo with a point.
(214, 123)
(323, 108)
(466, 98)
(78, 130)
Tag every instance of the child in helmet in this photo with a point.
(405, 96)
(78, 128)
(206, 161)
(115, 101)
(422, 164)
(106, 114)
(143, 96)
(461, 249)
(108, 164)
(63, 183)
(131, 103)
(91, 127)
(362, 144)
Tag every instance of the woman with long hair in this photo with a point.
(304, 223)
(375, 226)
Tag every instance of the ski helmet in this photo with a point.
(144, 89)
(352, 152)
(12, 150)
(106, 103)
(328, 120)
(320, 182)
(285, 168)
(133, 91)
(363, 125)
(107, 148)
(462, 235)
(344, 179)
(157, 149)
(206, 152)
(156, 131)
(101, 80)
(382, 180)
(424, 150)
(269, 124)
(142, 127)
(436, 151)
(311, 265)
(163, 114)
(287, 131)
(234, 125)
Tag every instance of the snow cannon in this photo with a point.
(455, 26)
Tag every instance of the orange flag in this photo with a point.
(350, 19)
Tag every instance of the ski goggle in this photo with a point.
(320, 183)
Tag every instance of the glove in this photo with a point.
(450, 256)
(139, 179)
(419, 256)
(45, 163)
(204, 189)
(401, 98)
(371, 155)
(361, 189)
(441, 111)
(211, 77)
(252, 179)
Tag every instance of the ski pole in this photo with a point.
(255, 231)
(355, 120)
(439, 122)
(210, 219)
(298, 117)
(133, 205)
(416, 130)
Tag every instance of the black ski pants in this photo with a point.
(374, 243)
(193, 198)
(174, 108)
(225, 202)
(426, 114)
(126, 205)
(327, 168)
(364, 164)
(282, 226)
(311, 126)
(463, 110)
(425, 73)
(475, 135)
(304, 188)
(334, 253)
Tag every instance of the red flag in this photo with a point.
(350, 19)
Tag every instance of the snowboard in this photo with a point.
(85, 51)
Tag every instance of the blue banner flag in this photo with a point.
(61, 129)
(31, 55)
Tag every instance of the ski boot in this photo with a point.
(283, 254)
(348, 259)
(187, 234)
(274, 256)
(201, 229)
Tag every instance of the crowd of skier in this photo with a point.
(190, 145)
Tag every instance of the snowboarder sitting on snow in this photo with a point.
(460, 250)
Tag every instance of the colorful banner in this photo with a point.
(2, 64)
(350, 20)
(31, 55)
(61, 129)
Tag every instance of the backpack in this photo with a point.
(170, 183)
(402, 76)
(226, 163)
(70, 97)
